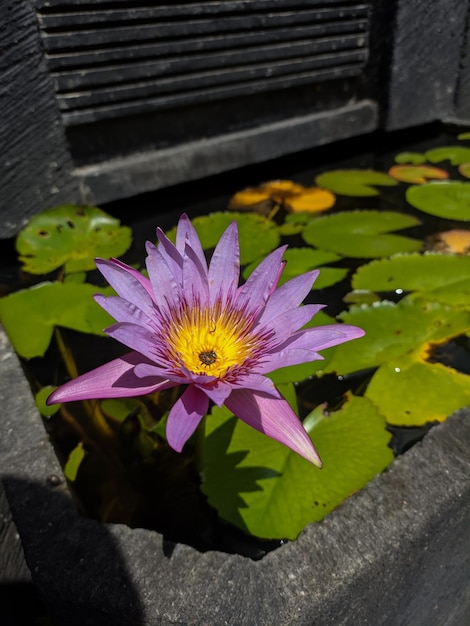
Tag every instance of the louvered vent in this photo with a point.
(120, 58)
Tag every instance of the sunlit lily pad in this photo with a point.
(361, 234)
(264, 488)
(354, 182)
(291, 196)
(455, 154)
(450, 200)
(415, 158)
(72, 237)
(393, 330)
(463, 136)
(464, 170)
(258, 236)
(415, 272)
(29, 316)
(40, 399)
(74, 461)
(416, 174)
(411, 392)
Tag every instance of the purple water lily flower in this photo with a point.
(190, 324)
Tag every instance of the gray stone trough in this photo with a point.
(397, 553)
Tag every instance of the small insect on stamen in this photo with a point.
(208, 358)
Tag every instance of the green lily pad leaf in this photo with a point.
(455, 154)
(288, 229)
(297, 373)
(415, 158)
(361, 296)
(361, 234)
(421, 273)
(354, 182)
(393, 330)
(463, 136)
(70, 236)
(74, 461)
(450, 200)
(262, 487)
(41, 398)
(409, 392)
(29, 316)
(258, 236)
(416, 173)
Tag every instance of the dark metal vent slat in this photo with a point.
(142, 106)
(109, 59)
(173, 66)
(132, 52)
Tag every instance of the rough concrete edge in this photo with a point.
(128, 176)
(114, 568)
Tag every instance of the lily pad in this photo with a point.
(450, 200)
(415, 272)
(464, 170)
(411, 392)
(74, 461)
(455, 154)
(258, 236)
(265, 489)
(361, 234)
(354, 182)
(417, 174)
(393, 330)
(70, 236)
(415, 158)
(463, 136)
(29, 316)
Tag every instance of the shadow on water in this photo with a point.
(77, 567)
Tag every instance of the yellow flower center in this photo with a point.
(209, 341)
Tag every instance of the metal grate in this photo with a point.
(121, 58)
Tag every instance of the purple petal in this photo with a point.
(254, 293)
(185, 416)
(166, 287)
(274, 418)
(138, 338)
(322, 337)
(195, 277)
(288, 296)
(122, 310)
(285, 358)
(115, 379)
(217, 391)
(171, 255)
(224, 268)
(143, 280)
(124, 281)
(291, 321)
(187, 235)
(257, 382)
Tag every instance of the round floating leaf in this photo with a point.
(29, 316)
(354, 182)
(464, 170)
(361, 234)
(409, 392)
(74, 461)
(41, 398)
(455, 241)
(450, 200)
(463, 136)
(72, 237)
(455, 154)
(415, 158)
(258, 236)
(417, 174)
(415, 272)
(264, 488)
(292, 196)
(393, 330)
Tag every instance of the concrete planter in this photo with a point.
(397, 553)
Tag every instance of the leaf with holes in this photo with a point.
(70, 236)
(262, 487)
(361, 234)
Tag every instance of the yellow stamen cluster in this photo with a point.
(209, 341)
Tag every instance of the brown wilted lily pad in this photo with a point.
(291, 196)
(416, 174)
(450, 241)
